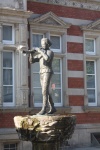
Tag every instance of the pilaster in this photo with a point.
(1, 48)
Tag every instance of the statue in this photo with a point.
(44, 56)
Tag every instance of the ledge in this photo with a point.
(34, 110)
(15, 12)
(60, 110)
(91, 108)
(9, 47)
(15, 109)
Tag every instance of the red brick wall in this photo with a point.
(75, 30)
(75, 65)
(63, 11)
(6, 119)
(76, 100)
(75, 82)
(88, 118)
(74, 47)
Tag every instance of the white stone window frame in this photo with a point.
(96, 58)
(13, 85)
(57, 50)
(13, 35)
(94, 103)
(94, 52)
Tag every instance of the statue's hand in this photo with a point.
(37, 49)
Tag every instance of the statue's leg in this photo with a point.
(44, 84)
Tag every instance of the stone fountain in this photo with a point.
(45, 130)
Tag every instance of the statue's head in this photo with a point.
(45, 43)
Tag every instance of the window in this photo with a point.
(56, 81)
(10, 147)
(8, 34)
(36, 40)
(90, 46)
(91, 82)
(90, 49)
(56, 43)
(8, 79)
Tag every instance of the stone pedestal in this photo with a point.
(44, 131)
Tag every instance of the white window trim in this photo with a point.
(13, 85)
(91, 53)
(95, 103)
(57, 50)
(13, 34)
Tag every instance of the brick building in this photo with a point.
(74, 29)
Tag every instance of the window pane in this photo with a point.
(36, 80)
(56, 65)
(56, 80)
(7, 33)
(7, 59)
(38, 95)
(55, 42)
(90, 67)
(91, 96)
(56, 95)
(89, 45)
(36, 67)
(7, 94)
(90, 81)
(7, 77)
(10, 147)
(37, 40)
(6, 146)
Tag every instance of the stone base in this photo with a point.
(45, 146)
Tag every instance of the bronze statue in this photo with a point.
(44, 56)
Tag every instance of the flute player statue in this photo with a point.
(44, 56)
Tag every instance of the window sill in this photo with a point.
(91, 108)
(9, 47)
(60, 110)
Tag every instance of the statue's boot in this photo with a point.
(43, 111)
(52, 110)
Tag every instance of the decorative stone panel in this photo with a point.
(73, 3)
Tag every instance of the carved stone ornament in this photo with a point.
(92, 26)
(74, 3)
(50, 19)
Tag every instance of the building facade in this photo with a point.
(73, 26)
